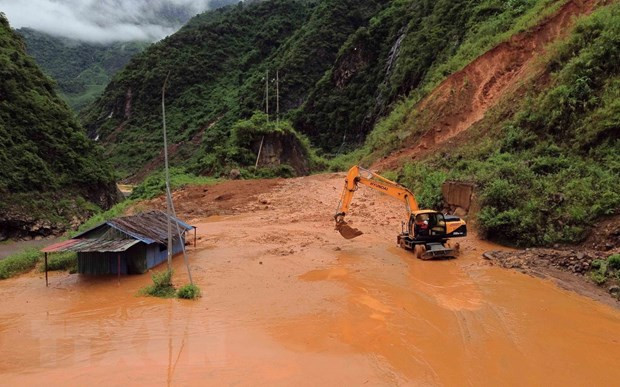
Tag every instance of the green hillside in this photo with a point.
(81, 70)
(546, 160)
(50, 172)
(351, 74)
(342, 65)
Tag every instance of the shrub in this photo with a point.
(598, 277)
(66, 261)
(425, 183)
(613, 262)
(19, 263)
(162, 285)
(596, 264)
(189, 292)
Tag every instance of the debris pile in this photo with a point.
(577, 262)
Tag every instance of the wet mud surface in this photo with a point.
(286, 300)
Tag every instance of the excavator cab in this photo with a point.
(427, 232)
(427, 225)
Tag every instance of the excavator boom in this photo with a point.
(358, 175)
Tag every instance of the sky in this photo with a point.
(103, 21)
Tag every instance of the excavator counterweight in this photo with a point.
(427, 231)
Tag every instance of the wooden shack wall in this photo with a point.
(155, 255)
(100, 263)
(136, 260)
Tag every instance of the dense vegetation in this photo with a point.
(50, 170)
(406, 48)
(19, 263)
(606, 271)
(341, 66)
(208, 60)
(554, 167)
(81, 70)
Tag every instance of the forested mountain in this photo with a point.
(50, 173)
(506, 94)
(341, 64)
(81, 70)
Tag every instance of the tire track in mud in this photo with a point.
(464, 97)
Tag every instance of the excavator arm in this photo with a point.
(358, 175)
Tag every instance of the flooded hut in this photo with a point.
(125, 245)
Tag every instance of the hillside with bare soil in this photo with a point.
(465, 96)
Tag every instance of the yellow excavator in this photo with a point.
(426, 232)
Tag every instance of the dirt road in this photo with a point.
(288, 302)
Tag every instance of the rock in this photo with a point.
(234, 174)
(38, 238)
(614, 290)
(337, 248)
(580, 255)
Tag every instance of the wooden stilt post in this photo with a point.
(46, 281)
(194, 236)
(118, 272)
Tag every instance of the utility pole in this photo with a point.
(170, 211)
(267, 95)
(167, 172)
(262, 140)
(278, 98)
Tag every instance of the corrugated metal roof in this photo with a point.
(103, 246)
(92, 246)
(148, 227)
(60, 246)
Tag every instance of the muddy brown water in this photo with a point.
(288, 301)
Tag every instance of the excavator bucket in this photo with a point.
(347, 231)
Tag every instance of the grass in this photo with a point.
(118, 210)
(162, 286)
(189, 292)
(65, 261)
(155, 184)
(19, 263)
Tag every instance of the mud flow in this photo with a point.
(287, 301)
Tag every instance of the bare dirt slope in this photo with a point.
(464, 97)
(287, 301)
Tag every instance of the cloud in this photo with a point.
(103, 20)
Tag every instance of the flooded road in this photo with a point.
(287, 301)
